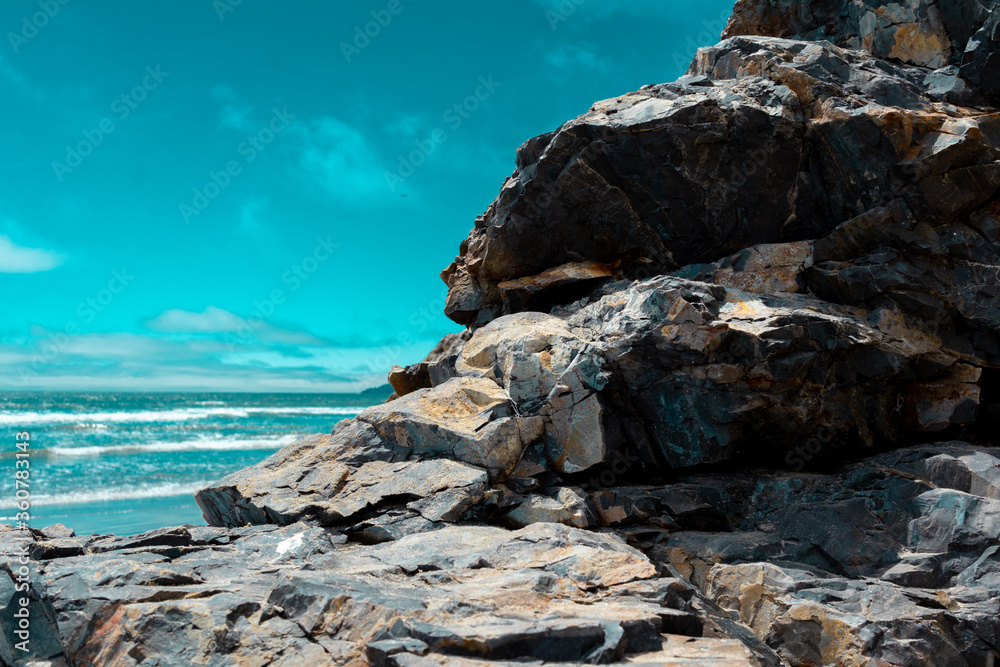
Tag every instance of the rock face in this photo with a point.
(836, 218)
(435, 369)
(955, 39)
(892, 560)
(300, 594)
(766, 141)
(728, 395)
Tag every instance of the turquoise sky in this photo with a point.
(259, 196)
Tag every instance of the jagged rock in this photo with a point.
(469, 419)
(390, 454)
(440, 488)
(567, 506)
(672, 372)
(55, 531)
(435, 369)
(890, 559)
(680, 651)
(298, 593)
(912, 578)
(547, 370)
(867, 283)
(792, 149)
(919, 32)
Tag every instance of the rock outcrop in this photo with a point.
(436, 368)
(727, 395)
(301, 594)
(892, 560)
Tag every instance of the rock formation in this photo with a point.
(727, 395)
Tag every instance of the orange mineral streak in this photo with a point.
(917, 43)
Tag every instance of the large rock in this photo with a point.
(299, 595)
(892, 559)
(765, 141)
(918, 32)
(837, 225)
(670, 372)
(432, 451)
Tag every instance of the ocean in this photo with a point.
(126, 463)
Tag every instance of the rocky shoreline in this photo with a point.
(728, 395)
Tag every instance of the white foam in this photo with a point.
(163, 490)
(28, 418)
(194, 445)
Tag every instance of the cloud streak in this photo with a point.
(15, 258)
(340, 157)
(235, 113)
(219, 321)
(178, 362)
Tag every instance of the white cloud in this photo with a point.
(18, 259)
(566, 57)
(213, 321)
(235, 113)
(339, 157)
(122, 361)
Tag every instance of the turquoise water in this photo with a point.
(126, 463)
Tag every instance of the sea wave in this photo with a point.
(162, 490)
(207, 443)
(28, 418)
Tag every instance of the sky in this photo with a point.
(247, 195)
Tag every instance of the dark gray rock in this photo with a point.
(797, 136)
(300, 593)
(889, 559)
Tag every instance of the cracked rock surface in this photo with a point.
(727, 395)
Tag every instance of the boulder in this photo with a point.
(890, 559)
(811, 141)
(299, 593)
(435, 369)
(920, 32)
(434, 449)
